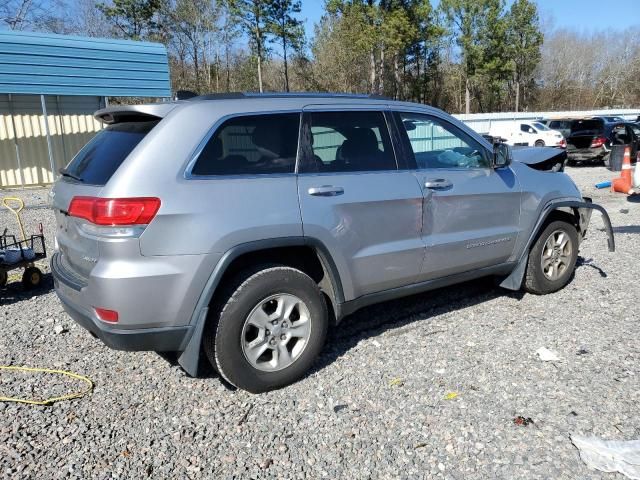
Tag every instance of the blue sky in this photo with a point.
(582, 15)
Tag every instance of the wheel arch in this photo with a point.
(576, 212)
(306, 254)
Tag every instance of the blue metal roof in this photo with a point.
(39, 63)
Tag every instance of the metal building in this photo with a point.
(50, 85)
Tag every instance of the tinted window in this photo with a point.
(257, 144)
(349, 142)
(100, 158)
(437, 144)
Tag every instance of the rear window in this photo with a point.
(102, 156)
(587, 126)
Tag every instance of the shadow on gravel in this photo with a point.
(584, 262)
(412, 312)
(14, 292)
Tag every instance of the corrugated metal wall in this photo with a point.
(23, 138)
(48, 64)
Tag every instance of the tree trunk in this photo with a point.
(517, 96)
(381, 72)
(467, 97)
(196, 66)
(259, 48)
(286, 64)
(398, 77)
(372, 74)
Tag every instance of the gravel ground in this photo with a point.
(424, 387)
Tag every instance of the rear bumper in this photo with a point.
(586, 154)
(159, 339)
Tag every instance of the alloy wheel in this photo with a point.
(276, 332)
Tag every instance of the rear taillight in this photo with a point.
(562, 143)
(115, 211)
(598, 142)
(105, 315)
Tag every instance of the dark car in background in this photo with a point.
(590, 139)
(611, 118)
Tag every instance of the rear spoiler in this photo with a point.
(134, 113)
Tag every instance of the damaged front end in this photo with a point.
(544, 159)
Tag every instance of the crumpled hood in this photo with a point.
(541, 158)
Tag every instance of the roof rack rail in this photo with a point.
(240, 95)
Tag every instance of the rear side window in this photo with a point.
(251, 145)
(102, 156)
(349, 142)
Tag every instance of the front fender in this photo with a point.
(584, 209)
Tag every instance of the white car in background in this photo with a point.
(527, 134)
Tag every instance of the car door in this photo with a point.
(356, 202)
(529, 134)
(471, 211)
(633, 132)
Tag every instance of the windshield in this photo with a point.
(541, 126)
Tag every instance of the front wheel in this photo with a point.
(552, 260)
(270, 328)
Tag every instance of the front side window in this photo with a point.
(438, 144)
(251, 145)
(349, 142)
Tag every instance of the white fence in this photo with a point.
(482, 122)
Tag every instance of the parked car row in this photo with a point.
(587, 140)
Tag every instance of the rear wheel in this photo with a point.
(552, 260)
(270, 329)
(539, 143)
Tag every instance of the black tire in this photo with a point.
(539, 143)
(4, 277)
(31, 278)
(571, 163)
(223, 335)
(536, 280)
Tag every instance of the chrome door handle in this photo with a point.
(438, 184)
(326, 191)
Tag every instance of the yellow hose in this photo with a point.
(16, 211)
(49, 401)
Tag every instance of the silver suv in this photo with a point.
(245, 226)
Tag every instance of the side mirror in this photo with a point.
(502, 155)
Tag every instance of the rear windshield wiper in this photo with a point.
(66, 173)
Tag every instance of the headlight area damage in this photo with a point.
(545, 159)
(583, 210)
